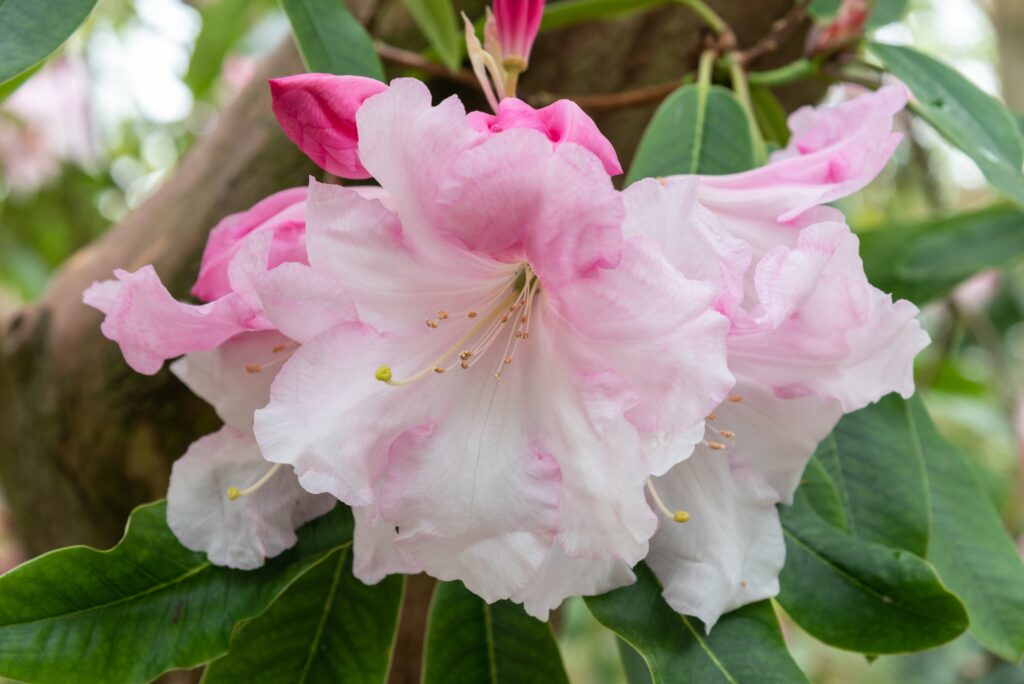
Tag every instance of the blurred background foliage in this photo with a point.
(90, 135)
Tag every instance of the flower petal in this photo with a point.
(561, 576)
(513, 197)
(731, 550)
(241, 533)
(375, 553)
(151, 326)
(235, 377)
(318, 113)
(282, 214)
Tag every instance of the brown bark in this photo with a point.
(83, 439)
(1008, 21)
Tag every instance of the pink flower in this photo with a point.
(317, 113)
(810, 340)
(562, 122)
(516, 23)
(503, 439)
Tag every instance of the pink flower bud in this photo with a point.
(517, 23)
(318, 113)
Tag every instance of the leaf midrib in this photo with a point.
(328, 606)
(714, 659)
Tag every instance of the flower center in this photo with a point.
(504, 315)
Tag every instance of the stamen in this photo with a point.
(715, 446)
(712, 416)
(676, 516)
(234, 492)
(279, 348)
(253, 368)
(728, 434)
(736, 398)
(471, 314)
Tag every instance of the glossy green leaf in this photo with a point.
(744, 646)
(874, 461)
(970, 547)
(925, 260)
(695, 133)
(886, 12)
(30, 30)
(970, 119)
(471, 642)
(860, 595)
(331, 40)
(327, 627)
(7, 89)
(559, 14)
(437, 20)
(144, 607)
(224, 23)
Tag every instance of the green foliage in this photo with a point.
(437, 20)
(559, 14)
(824, 10)
(771, 116)
(924, 260)
(695, 131)
(745, 646)
(969, 545)
(146, 606)
(970, 119)
(471, 642)
(331, 40)
(224, 23)
(886, 12)
(30, 30)
(327, 627)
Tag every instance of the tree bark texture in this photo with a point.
(84, 439)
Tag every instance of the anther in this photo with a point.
(443, 315)
(736, 398)
(279, 348)
(464, 364)
(728, 434)
(253, 368)
(471, 314)
(464, 355)
(431, 323)
(507, 360)
(438, 369)
(681, 516)
(716, 446)
(712, 417)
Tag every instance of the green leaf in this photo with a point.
(471, 642)
(31, 30)
(144, 607)
(771, 115)
(860, 595)
(327, 627)
(874, 461)
(824, 10)
(224, 23)
(745, 646)
(436, 18)
(924, 260)
(559, 14)
(886, 12)
(970, 119)
(970, 546)
(331, 40)
(7, 89)
(695, 132)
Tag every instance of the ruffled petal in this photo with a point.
(657, 330)
(395, 281)
(150, 326)
(514, 198)
(282, 214)
(562, 122)
(834, 152)
(375, 553)
(318, 113)
(561, 576)
(242, 533)
(235, 377)
(731, 550)
(824, 329)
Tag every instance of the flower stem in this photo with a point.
(739, 86)
(707, 15)
(794, 71)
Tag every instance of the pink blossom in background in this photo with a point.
(848, 24)
(46, 123)
(238, 71)
(317, 112)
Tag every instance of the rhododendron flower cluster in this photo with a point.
(517, 375)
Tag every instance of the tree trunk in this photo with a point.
(83, 439)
